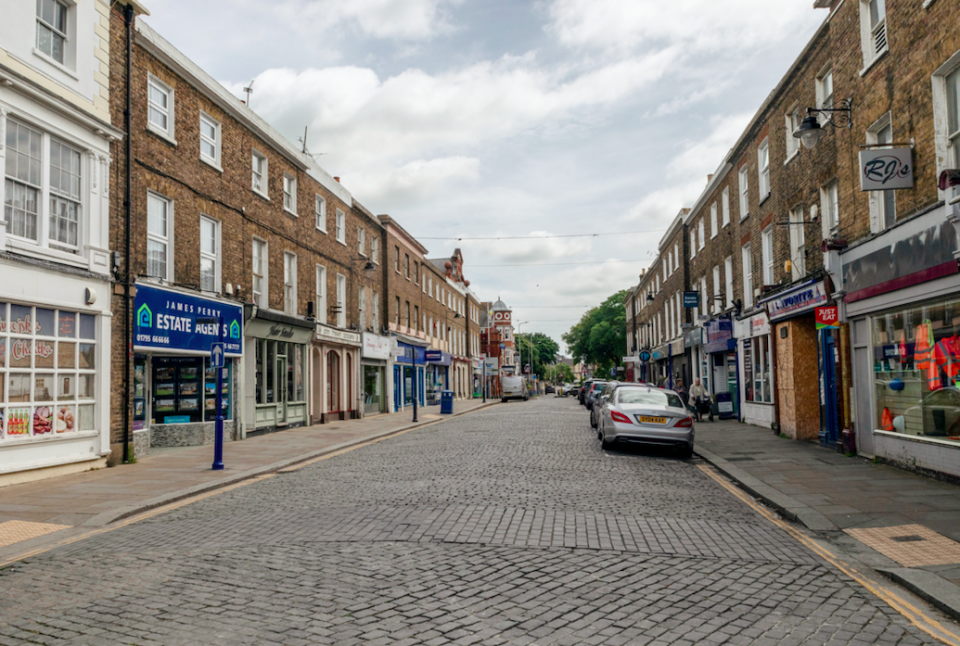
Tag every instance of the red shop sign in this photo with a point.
(828, 318)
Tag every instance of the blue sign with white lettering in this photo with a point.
(167, 320)
(216, 355)
(645, 356)
(691, 299)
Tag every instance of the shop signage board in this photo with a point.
(691, 299)
(336, 335)
(796, 301)
(167, 320)
(827, 318)
(376, 347)
(759, 325)
(719, 336)
(885, 169)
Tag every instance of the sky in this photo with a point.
(509, 119)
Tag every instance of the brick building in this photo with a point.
(783, 230)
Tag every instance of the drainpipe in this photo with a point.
(128, 18)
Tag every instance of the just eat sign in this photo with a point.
(827, 317)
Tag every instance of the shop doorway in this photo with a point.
(282, 390)
(333, 382)
(349, 402)
(372, 390)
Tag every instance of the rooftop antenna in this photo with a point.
(249, 90)
(303, 141)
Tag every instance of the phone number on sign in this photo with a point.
(147, 338)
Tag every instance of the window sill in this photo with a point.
(323, 231)
(927, 3)
(262, 196)
(343, 242)
(34, 250)
(744, 216)
(764, 199)
(211, 163)
(166, 136)
(59, 66)
(873, 61)
(792, 156)
(293, 213)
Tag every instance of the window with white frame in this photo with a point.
(701, 232)
(763, 168)
(744, 191)
(714, 229)
(946, 110)
(341, 301)
(716, 289)
(259, 184)
(798, 256)
(791, 122)
(873, 30)
(362, 307)
(361, 241)
(321, 214)
(824, 89)
(321, 294)
(209, 254)
(767, 255)
(952, 82)
(159, 241)
(290, 193)
(260, 264)
(676, 256)
(341, 227)
(290, 283)
(209, 139)
(160, 106)
(829, 203)
(704, 295)
(375, 313)
(882, 204)
(51, 213)
(728, 279)
(746, 257)
(375, 249)
(693, 244)
(725, 202)
(52, 16)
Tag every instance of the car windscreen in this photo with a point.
(649, 397)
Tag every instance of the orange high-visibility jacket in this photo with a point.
(923, 355)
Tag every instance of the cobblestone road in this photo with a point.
(506, 526)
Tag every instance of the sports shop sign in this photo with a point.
(168, 320)
(796, 301)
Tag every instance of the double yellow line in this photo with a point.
(917, 616)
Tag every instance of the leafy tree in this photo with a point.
(600, 337)
(563, 373)
(539, 350)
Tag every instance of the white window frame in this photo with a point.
(167, 133)
(744, 188)
(725, 205)
(746, 258)
(290, 193)
(216, 142)
(676, 256)
(874, 39)
(728, 279)
(791, 122)
(361, 307)
(362, 241)
(55, 32)
(946, 135)
(716, 290)
(375, 249)
(880, 202)
(693, 243)
(825, 92)
(320, 289)
(763, 168)
(321, 211)
(702, 233)
(830, 209)
(259, 174)
(375, 313)
(798, 261)
(167, 240)
(341, 227)
(767, 255)
(289, 283)
(341, 301)
(262, 297)
(714, 228)
(214, 256)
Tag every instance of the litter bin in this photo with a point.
(446, 402)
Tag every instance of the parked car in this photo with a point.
(584, 389)
(646, 415)
(513, 387)
(595, 389)
(549, 389)
(605, 393)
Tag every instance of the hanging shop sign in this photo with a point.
(167, 320)
(693, 338)
(885, 169)
(827, 318)
(691, 299)
(438, 357)
(719, 336)
(796, 301)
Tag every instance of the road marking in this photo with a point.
(917, 616)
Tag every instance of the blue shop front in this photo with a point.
(408, 375)
(438, 374)
(174, 387)
(719, 367)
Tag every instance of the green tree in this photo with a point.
(539, 350)
(563, 373)
(600, 337)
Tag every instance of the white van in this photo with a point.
(513, 387)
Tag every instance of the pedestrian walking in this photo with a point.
(697, 392)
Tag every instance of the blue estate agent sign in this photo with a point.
(167, 320)
(691, 299)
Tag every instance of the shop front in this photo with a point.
(463, 370)
(902, 305)
(439, 365)
(797, 355)
(335, 375)
(54, 372)
(408, 375)
(719, 364)
(756, 370)
(680, 365)
(693, 347)
(276, 371)
(477, 388)
(174, 386)
(374, 359)
(659, 365)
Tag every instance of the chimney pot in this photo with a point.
(338, 179)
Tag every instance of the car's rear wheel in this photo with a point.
(686, 452)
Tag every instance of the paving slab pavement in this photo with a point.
(831, 493)
(96, 498)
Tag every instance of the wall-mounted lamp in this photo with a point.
(810, 132)
(649, 298)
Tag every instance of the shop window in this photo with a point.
(757, 369)
(916, 370)
(47, 379)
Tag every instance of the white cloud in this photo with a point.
(417, 182)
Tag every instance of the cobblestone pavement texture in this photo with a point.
(507, 526)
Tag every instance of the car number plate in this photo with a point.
(644, 419)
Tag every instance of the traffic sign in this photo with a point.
(503, 345)
(645, 356)
(216, 355)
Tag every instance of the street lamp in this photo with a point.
(217, 361)
(810, 132)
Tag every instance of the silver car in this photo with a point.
(645, 415)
